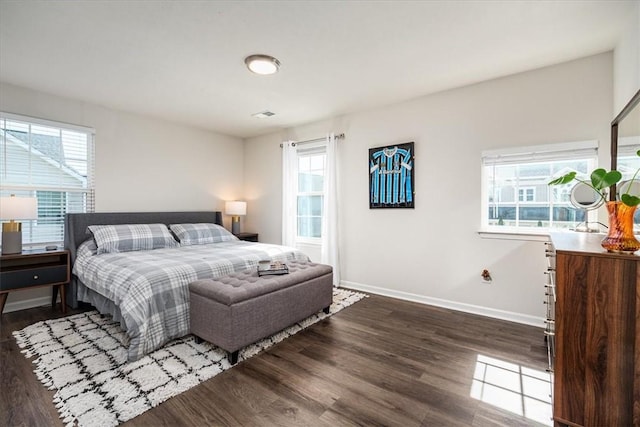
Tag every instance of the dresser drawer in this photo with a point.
(32, 277)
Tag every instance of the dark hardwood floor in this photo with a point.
(381, 362)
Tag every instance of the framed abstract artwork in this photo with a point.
(391, 176)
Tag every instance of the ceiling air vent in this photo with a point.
(263, 114)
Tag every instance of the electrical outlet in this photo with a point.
(485, 276)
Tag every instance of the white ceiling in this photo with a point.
(183, 60)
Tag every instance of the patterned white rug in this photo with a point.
(83, 357)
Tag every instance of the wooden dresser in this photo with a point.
(597, 327)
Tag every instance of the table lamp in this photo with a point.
(14, 208)
(235, 209)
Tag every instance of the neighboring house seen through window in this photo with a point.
(52, 162)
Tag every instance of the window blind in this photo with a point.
(51, 161)
(628, 146)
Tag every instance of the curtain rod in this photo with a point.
(338, 136)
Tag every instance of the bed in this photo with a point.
(146, 290)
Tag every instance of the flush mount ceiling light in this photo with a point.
(262, 64)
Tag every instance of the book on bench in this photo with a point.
(273, 269)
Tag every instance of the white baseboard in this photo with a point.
(27, 303)
(453, 305)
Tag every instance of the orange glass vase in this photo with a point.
(620, 237)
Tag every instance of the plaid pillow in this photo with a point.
(201, 234)
(131, 237)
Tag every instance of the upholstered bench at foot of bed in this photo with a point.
(239, 309)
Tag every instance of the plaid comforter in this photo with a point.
(151, 290)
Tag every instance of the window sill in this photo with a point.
(514, 234)
(309, 241)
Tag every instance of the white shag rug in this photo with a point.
(83, 357)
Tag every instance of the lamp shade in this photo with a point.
(13, 208)
(235, 208)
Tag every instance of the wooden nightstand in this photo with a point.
(248, 237)
(34, 269)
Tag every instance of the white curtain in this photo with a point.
(289, 183)
(330, 252)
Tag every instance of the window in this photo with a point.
(515, 186)
(527, 194)
(309, 199)
(52, 162)
(310, 196)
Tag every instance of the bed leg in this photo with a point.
(198, 339)
(233, 357)
(326, 309)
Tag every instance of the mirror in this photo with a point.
(625, 140)
(631, 187)
(584, 197)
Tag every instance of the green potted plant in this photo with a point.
(620, 237)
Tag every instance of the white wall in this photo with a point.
(142, 164)
(433, 253)
(626, 62)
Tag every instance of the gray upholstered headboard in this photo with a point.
(75, 229)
